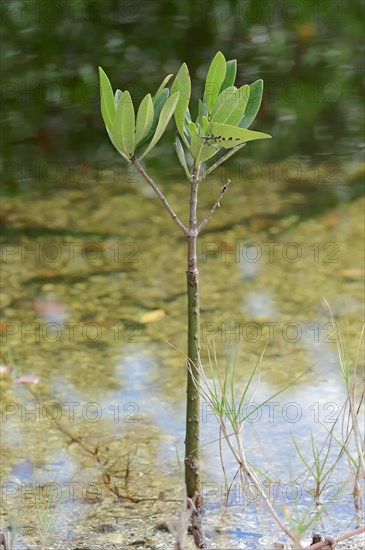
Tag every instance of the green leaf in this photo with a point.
(230, 105)
(195, 144)
(239, 108)
(157, 110)
(253, 104)
(229, 136)
(181, 84)
(186, 127)
(202, 111)
(166, 113)
(205, 152)
(181, 156)
(107, 100)
(156, 97)
(192, 127)
(222, 98)
(205, 124)
(208, 152)
(231, 71)
(215, 77)
(118, 94)
(123, 126)
(144, 118)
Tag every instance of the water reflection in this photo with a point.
(144, 390)
(121, 380)
(259, 305)
(50, 309)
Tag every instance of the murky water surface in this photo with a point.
(93, 298)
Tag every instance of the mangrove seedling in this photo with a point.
(220, 129)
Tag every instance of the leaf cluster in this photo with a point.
(224, 115)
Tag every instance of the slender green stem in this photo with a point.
(160, 195)
(192, 441)
(221, 160)
(214, 207)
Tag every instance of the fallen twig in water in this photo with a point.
(324, 543)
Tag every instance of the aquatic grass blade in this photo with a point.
(279, 392)
(248, 384)
(301, 456)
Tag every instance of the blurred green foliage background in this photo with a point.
(310, 54)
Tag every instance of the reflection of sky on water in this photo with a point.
(299, 411)
(249, 267)
(258, 305)
(61, 467)
(143, 392)
(141, 397)
(57, 480)
(321, 350)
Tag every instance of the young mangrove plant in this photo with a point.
(220, 129)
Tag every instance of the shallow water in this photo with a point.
(94, 295)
